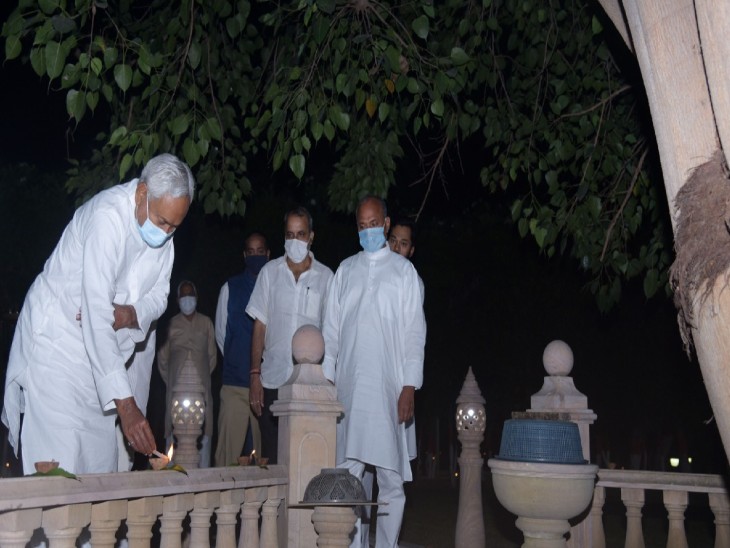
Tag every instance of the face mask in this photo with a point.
(188, 304)
(372, 239)
(296, 250)
(254, 263)
(152, 234)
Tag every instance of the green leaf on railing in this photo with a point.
(58, 472)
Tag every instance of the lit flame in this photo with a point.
(169, 453)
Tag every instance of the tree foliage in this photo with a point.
(528, 84)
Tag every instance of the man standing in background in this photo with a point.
(233, 333)
(190, 336)
(289, 293)
(375, 332)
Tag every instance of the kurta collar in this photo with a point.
(378, 255)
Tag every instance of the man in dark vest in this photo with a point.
(233, 332)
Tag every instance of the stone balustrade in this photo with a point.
(675, 489)
(63, 507)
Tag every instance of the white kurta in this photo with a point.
(284, 304)
(65, 374)
(374, 332)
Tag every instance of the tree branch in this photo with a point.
(630, 190)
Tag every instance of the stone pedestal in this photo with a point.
(308, 410)
(188, 415)
(333, 524)
(559, 395)
(470, 425)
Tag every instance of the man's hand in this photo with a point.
(406, 404)
(124, 316)
(135, 427)
(256, 395)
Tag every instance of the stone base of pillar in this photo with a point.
(333, 525)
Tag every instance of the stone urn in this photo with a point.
(543, 496)
(540, 476)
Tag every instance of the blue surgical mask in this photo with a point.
(152, 234)
(372, 239)
(254, 263)
(188, 304)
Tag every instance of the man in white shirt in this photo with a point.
(290, 292)
(374, 332)
(190, 336)
(105, 283)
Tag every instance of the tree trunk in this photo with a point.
(687, 116)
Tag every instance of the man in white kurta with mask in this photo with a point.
(105, 283)
(374, 332)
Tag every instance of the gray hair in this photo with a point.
(166, 175)
(186, 282)
(299, 212)
(377, 199)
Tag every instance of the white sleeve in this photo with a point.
(102, 254)
(221, 317)
(331, 327)
(415, 330)
(258, 303)
(153, 304)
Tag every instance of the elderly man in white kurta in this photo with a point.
(375, 331)
(104, 284)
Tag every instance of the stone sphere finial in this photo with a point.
(307, 345)
(558, 359)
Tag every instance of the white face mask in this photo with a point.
(296, 250)
(188, 304)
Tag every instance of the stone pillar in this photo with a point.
(559, 395)
(470, 425)
(16, 527)
(308, 410)
(105, 520)
(188, 415)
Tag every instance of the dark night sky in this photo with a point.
(492, 301)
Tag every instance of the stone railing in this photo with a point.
(675, 489)
(62, 507)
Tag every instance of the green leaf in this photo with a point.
(327, 6)
(48, 6)
(75, 104)
(651, 283)
(596, 26)
(214, 129)
(96, 65)
(383, 111)
(92, 99)
(55, 59)
(179, 124)
(110, 57)
(297, 164)
(12, 46)
(459, 56)
(437, 107)
(194, 55)
(117, 135)
(38, 61)
(420, 26)
(57, 472)
(190, 152)
(317, 129)
(63, 24)
(124, 166)
(123, 76)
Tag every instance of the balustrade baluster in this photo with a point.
(105, 520)
(203, 507)
(63, 525)
(720, 505)
(17, 527)
(676, 504)
(141, 516)
(250, 525)
(633, 499)
(269, 514)
(598, 534)
(226, 515)
(174, 511)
